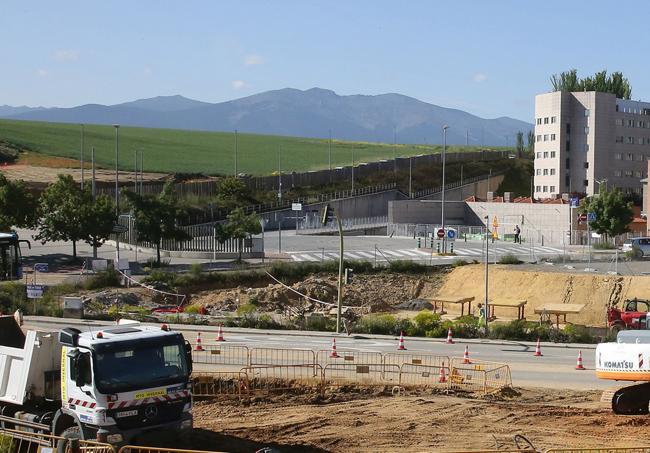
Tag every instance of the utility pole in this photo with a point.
(394, 150)
(82, 157)
(329, 152)
(487, 262)
(141, 170)
(94, 189)
(117, 189)
(135, 170)
(352, 169)
(236, 151)
(279, 201)
(339, 303)
(444, 148)
(410, 176)
(466, 137)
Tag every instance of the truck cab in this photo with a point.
(632, 315)
(123, 382)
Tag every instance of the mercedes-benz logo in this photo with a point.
(151, 411)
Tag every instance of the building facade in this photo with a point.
(587, 139)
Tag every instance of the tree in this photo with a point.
(531, 141)
(17, 205)
(156, 217)
(239, 226)
(615, 83)
(232, 193)
(520, 143)
(613, 213)
(69, 214)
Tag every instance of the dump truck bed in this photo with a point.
(30, 363)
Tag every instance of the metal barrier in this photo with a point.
(424, 375)
(361, 374)
(396, 358)
(271, 356)
(324, 358)
(601, 450)
(138, 449)
(23, 441)
(274, 378)
(498, 378)
(218, 383)
(222, 354)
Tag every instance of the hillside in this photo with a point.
(213, 153)
(290, 112)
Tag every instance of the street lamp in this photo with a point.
(442, 214)
(117, 188)
(487, 261)
(600, 184)
(82, 157)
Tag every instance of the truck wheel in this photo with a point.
(616, 328)
(70, 433)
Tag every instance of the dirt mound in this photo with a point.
(594, 291)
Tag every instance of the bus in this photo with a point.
(11, 260)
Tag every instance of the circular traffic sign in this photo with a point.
(451, 234)
(441, 233)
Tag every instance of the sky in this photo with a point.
(489, 58)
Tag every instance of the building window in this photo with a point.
(545, 154)
(586, 146)
(546, 172)
(567, 163)
(538, 188)
(539, 138)
(586, 164)
(628, 173)
(639, 157)
(618, 156)
(618, 173)
(585, 183)
(637, 174)
(629, 140)
(639, 140)
(552, 137)
(545, 137)
(539, 121)
(539, 155)
(552, 154)
(552, 120)
(630, 156)
(552, 189)
(630, 123)
(587, 112)
(538, 172)
(619, 139)
(619, 121)
(567, 180)
(639, 123)
(546, 120)
(568, 128)
(552, 171)
(568, 145)
(545, 189)
(586, 130)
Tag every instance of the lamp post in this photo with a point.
(236, 155)
(410, 176)
(442, 214)
(600, 184)
(82, 157)
(487, 262)
(117, 188)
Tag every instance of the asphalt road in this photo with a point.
(555, 369)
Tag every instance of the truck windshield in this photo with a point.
(133, 365)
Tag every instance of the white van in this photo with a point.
(642, 243)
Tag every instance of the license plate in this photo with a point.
(126, 414)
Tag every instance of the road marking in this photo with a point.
(352, 255)
(472, 252)
(422, 253)
(390, 252)
(365, 254)
(309, 257)
(296, 258)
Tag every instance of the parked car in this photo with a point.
(642, 244)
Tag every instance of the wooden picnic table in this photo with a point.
(559, 310)
(519, 304)
(462, 300)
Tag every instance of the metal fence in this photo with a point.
(26, 441)
(140, 449)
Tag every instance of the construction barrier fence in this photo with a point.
(137, 449)
(222, 354)
(281, 378)
(25, 441)
(217, 383)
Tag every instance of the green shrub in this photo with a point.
(467, 327)
(196, 270)
(578, 334)
(158, 275)
(377, 324)
(604, 246)
(103, 279)
(634, 254)
(459, 262)
(246, 309)
(424, 322)
(407, 267)
(319, 323)
(193, 309)
(509, 258)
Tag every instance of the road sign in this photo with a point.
(441, 233)
(296, 206)
(451, 234)
(591, 217)
(41, 267)
(582, 218)
(35, 291)
(120, 229)
(122, 264)
(574, 202)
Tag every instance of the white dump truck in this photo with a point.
(112, 385)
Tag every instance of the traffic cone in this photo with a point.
(333, 354)
(579, 364)
(220, 334)
(442, 377)
(198, 346)
(450, 339)
(538, 349)
(466, 355)
(400, 346)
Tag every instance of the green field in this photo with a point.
(210, 153)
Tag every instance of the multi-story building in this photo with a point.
(585, 139)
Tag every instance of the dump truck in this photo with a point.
(116, 384)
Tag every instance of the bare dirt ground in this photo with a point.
(42, 175)
(364, 422)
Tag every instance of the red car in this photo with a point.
(168, 309)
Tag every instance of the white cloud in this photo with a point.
(479, 77)
(239, 84)
(66, 55)
(253, 60)
(42, 72)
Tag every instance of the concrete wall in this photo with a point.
(428, 212)
(478, 189)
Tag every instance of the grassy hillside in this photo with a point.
(171, 150)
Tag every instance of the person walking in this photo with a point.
(517, 235)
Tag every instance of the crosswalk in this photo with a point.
(418, 254)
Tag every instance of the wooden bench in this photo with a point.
(559, 310)
(519, 304)
(462, 300)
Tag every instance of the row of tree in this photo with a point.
(65, 212)
(614, 83)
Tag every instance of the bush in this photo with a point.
(378, 324)
(407, 267)
(157, 275)
(423, 322)
(509, 258)
(634, 254)
(193, 309)
(459, 262)
(196, 270)
(319, 323)
(103, 279)
(604, 246)
(578, 334)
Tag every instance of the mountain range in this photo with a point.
(292, 112)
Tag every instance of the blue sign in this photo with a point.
(574, 202)
(41, 267)
(35, 291)
(591, 217)
(451, 234)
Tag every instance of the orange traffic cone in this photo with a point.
(579, 364)
(450, 339)
(400, 346)
(220, 334)
(333, 354)
(538, 349)
(442, 377)
(198, 346)
(466, 355)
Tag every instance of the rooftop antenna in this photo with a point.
(90, 330)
